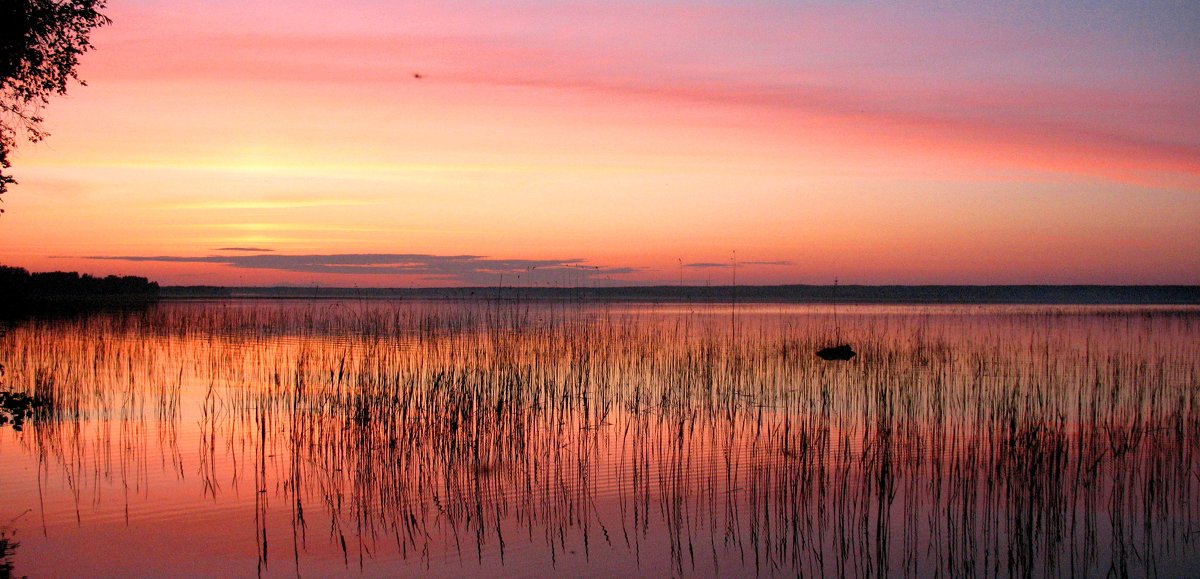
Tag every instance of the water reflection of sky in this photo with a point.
(450, 439)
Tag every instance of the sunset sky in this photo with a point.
(380, 143)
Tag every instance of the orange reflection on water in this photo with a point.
(450, 438)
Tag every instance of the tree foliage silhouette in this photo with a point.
(40, 45)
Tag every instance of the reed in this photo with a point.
(962, 440)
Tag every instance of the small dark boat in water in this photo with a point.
(843, 352)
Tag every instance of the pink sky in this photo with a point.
(911, 144)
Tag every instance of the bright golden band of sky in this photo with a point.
(651, 140)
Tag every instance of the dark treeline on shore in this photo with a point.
(21, 290)
(896, 294)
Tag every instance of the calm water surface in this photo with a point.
(448, 439)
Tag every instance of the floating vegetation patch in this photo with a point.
(18, 407)
(8, 548)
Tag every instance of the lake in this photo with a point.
(485, 438)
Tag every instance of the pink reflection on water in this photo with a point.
(448, 439)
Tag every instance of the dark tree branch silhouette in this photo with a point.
(40, 45)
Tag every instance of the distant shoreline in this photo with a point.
(864, 294)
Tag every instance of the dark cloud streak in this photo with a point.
(711, 264)
(470, 269)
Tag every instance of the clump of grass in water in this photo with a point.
(8, 550)
(18, 407)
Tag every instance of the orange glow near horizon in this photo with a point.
(923, 146)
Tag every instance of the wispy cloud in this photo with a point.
(269, 204)
(713, 264)
(465, 269)
(892, 71)
(245, 249)
(296, 227)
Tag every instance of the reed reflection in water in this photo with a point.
(448, 438)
